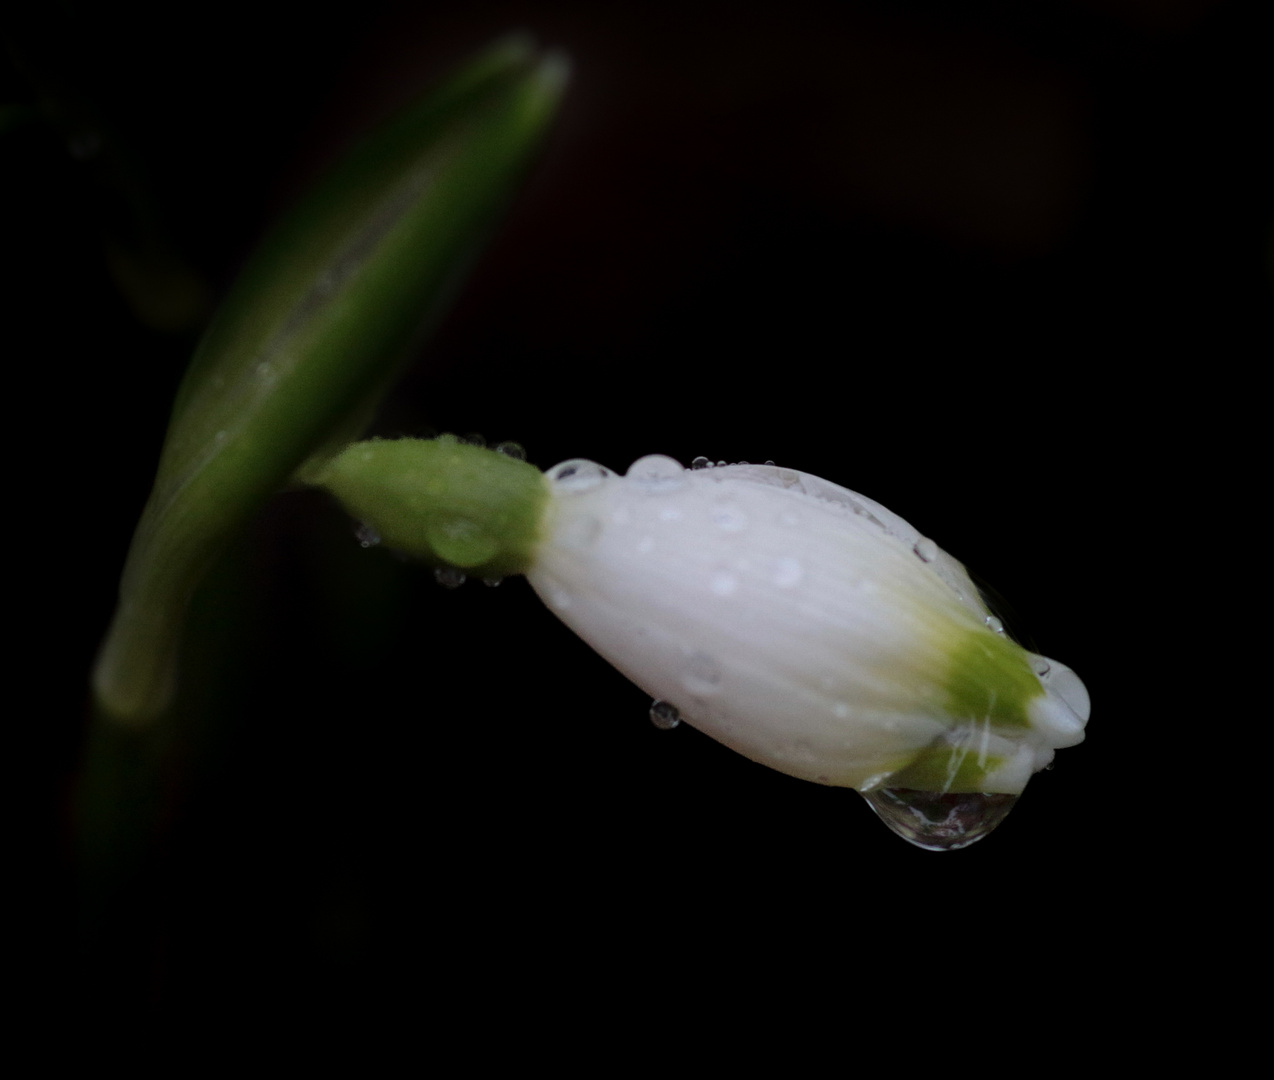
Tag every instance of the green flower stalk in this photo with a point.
(799, 623)
(316, 328)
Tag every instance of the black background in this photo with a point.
(1000, 268)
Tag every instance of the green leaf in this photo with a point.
(312, 334)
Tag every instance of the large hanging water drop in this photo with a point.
(936, 820)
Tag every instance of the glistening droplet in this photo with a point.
(449, 577)
(701, 462)
(939, 821)
(367, 536)
(511, 449)
(926, 549)
(656, 474)
(664, 715)
(577, 475)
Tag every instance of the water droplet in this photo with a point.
(367, 536)
(492, 582)
(664, 715)
(656, 474)
(926, 549)
(702, 675)
(721, 463)
(992, 623)
(577, 475)
(939, 821)
(474, 439)
(511, 449)
(724, 583)
(769, 463)
(1041, 667)
(449, 577)
(701, 462)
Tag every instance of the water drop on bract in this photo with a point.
(578, 474)
(511, 449)
(664, 715)
(656, 473)
(701, 462)
(449, 577)
(938, 821)
(367, 536)
(474, 439)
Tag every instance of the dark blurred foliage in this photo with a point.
(997, 265)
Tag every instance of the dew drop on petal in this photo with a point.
(994, 624)
(939, 821)
(366, 536)
(664, 715)
(701, 462)
(449, 577)
(578, 475)
(656, 473)
(926, 549)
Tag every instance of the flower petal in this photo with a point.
(801, 624)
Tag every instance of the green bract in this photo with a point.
(444, 501)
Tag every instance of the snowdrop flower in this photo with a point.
(799, 623)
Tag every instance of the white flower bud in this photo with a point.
(805, 626)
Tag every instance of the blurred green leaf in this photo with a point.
(312, 334)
